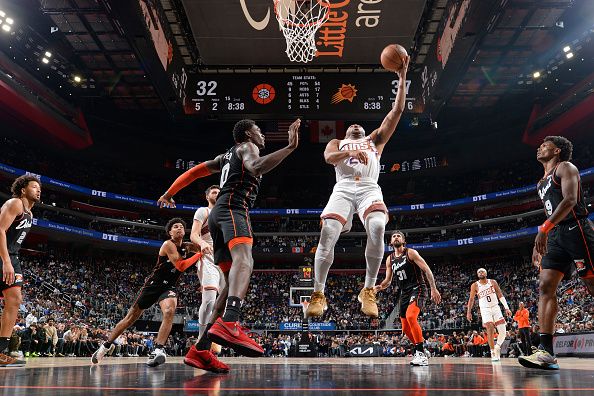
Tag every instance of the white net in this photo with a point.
(300, 20)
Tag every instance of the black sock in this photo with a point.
(419, 347)
(107, 344)
(232, 310)
(4, 341)
(546, 343)
(204, 343)
(159, 346)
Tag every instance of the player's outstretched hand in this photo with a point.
(294, 134)
(435, 296)
(402, 72)
(166, 202)
(469, 317)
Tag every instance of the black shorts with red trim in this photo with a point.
(418, 294)
(571, 245)
(152, 294)
(18, 274)
(227, 226)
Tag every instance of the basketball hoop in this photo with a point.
(305, 304)
(300, 20)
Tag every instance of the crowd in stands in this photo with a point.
(70, 302)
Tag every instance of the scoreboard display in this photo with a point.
(314, 95)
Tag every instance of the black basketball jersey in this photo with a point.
(239, 188)
(406, 272)
(549, 191)
(165, 272)
(16, 233)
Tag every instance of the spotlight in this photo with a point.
(434, 125)
(45, 60)
(569, 55)
(536, 74)
(9, 21)
(77, 79)
(6, 28)
(2, 14)
(566, 48)
(48, 54)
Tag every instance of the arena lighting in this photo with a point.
(536, 74)
(6, 28)
(45, 60)
(10, 21)
(567, 48)
(2, 14)
(569, 55)
(48, 54)
(77, 79)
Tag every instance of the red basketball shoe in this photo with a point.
(232, 335)
(205, 360)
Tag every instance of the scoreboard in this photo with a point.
(313, 95)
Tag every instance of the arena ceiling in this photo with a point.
(496, 45)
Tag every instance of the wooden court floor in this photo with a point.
(315, 377)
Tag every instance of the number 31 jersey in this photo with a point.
(407, 274)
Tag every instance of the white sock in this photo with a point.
(375, 225)
(502, 332)
(206, 306)
(331, 229)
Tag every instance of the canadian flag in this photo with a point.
(324, 131)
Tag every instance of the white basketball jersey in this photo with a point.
(351, 168)
(486, 295)
(202, 215)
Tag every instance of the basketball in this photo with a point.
(392, 56)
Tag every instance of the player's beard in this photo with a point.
(481, 277)
(397, 245)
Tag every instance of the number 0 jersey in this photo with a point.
(407, 274)
(486, 294)
(549, 191)
(239, 188)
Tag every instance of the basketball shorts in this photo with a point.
(492, 315)
(209, 274)
(228, 226)
(418, 294)
(571, 245)
(18, 274)
(152, 294)
(350, 196)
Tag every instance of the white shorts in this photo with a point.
(351, 196)
(492, 315)
(209, 274)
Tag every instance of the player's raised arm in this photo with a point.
(333, 155)
(388, 279)
(385, 131)
(418, 260)
(256, 165)
(203, 169)
(471, 302)
(501, 298)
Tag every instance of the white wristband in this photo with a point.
(504, 302)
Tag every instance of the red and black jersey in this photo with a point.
(239, 188)
(165, 272)
(407, 274)
(549, 191)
